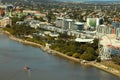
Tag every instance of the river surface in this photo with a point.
(44, 66)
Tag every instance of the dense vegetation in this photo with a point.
(116, 59)
(64, 43)
(86, 51)
(21, 31)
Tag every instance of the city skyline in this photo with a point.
(84, 0)
(35, 33)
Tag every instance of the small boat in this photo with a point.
(26, 68)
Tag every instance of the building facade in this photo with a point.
(60, 22)
(5, 21)
(64, 23)
(68, 23)
(109, 38)
(77, 26)
(94, 22)
(104, 29)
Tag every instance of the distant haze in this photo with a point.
(84, 0)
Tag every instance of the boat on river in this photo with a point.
(26, 68)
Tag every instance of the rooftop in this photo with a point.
(68, 19)
(83, 40)
(110, 40)
(79, 23)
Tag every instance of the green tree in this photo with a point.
(8, 26)
(51, 17)
(69, 53)
(76, 55)
(14, 20)
(90, 50)
(83, 48)
(98, 60)
(41, 19)
(116, 59)
(87, 56)
(95, 44)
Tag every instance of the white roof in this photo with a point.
(60, 18)
(83, 40)
(89, 32)
(54, 35)
(105, 41)
(79, 23)
(68, 19)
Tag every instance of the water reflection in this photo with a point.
(28, 74)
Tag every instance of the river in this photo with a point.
(44, 66)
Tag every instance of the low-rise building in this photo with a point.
(77, 26)
(54, 34)
(34, 23)
(5, 21)
(84, 40)
(20, 22)
(30, 11)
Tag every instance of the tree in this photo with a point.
(116, 59)
(76, 55)
(51, 17)
(87, 56)
(95, 44)
(98, 60)
(69, 53)
(90, 50)
(41, 19)
(8, 26)
(14, 20)
(83, 48)
(35, 18)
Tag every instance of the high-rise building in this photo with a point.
(116, 24)
(68, 23)
(94, 22)
(60, 22)
(104, 29)
(64, 23)
(117, 32)
(91, 22)
(78, 26)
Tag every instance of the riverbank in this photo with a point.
(105, 68)
(95, 64)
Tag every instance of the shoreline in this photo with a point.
(94, 64)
